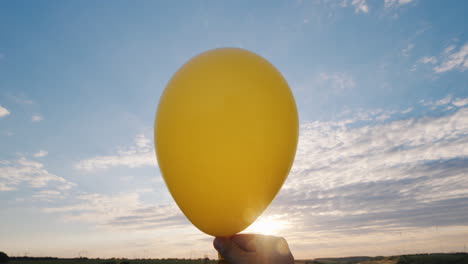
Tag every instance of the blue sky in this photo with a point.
(381, 89)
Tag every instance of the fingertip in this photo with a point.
(219, 244)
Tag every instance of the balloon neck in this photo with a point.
(221, 260)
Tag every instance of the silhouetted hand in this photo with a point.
(254, 249)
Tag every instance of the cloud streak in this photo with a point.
(399, 176)
(13, 173)
(451, 60)
(122, 211)
(360, 6)
(37, 118)
(396, 3)
(3, 111)
(40, 154)
(338, 81)
(139, 155)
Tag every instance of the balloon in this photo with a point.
(225, 133)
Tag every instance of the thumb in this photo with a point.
(229, 250)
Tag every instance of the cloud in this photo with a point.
(444, 101)
(396, 3)
(360, 6)
(406, 51)
(460, 102)
(449, 49)
(407, 110)
(21, 99)
(351, 183)
(447, 102)
(426, 60)
(49, 195)
(37, 118)
(3, 111)
(40, 154)
(123, 211)
(13, 173)
(404, 175)
(139, 155)
(338, 81)
(453, 60)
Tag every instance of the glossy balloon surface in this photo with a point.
(226, 132)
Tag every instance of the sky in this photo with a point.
(382, 94)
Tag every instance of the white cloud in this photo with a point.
(21, 99)
(404, 2)
(449, 49)
(125, 210)
(37, 118)
(383, 117)
(350, 183)
(407, 110)
(395, 3)
(460, 102)
(453, 60)
(16, 172)
(40, 154)
(341, 155)
(406, 51)
(339, 81)
(444, 101)
(49, 195)
(139, 155)
(3, 111)
(426, 60)
(400, 176)
(360, 6)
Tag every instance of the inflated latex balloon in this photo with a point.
(226, 132)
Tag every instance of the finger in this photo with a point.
(229, 250)
(247, 242)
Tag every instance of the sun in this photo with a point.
(266, 226)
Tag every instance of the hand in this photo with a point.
(254, 249)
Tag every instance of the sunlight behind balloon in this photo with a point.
(267, 226)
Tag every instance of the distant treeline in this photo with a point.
(83, 260)
(429, 258)
(33, 258)
(446, 258)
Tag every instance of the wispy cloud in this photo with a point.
(406, 51)
(338, 81)
(49, 195)
(448, 102)
(460, 102)
(120, 211)
(396, 3)
(37, 118)
(348, 180)
(453, 60)
(391, 177)
(40, 154)
(139, 155)
(21, 98)
(13, 173)
(426, 60)
(360, 6)
(3, 111)
(407, 110)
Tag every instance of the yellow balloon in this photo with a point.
(226, 132)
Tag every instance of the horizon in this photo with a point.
(380, 87)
